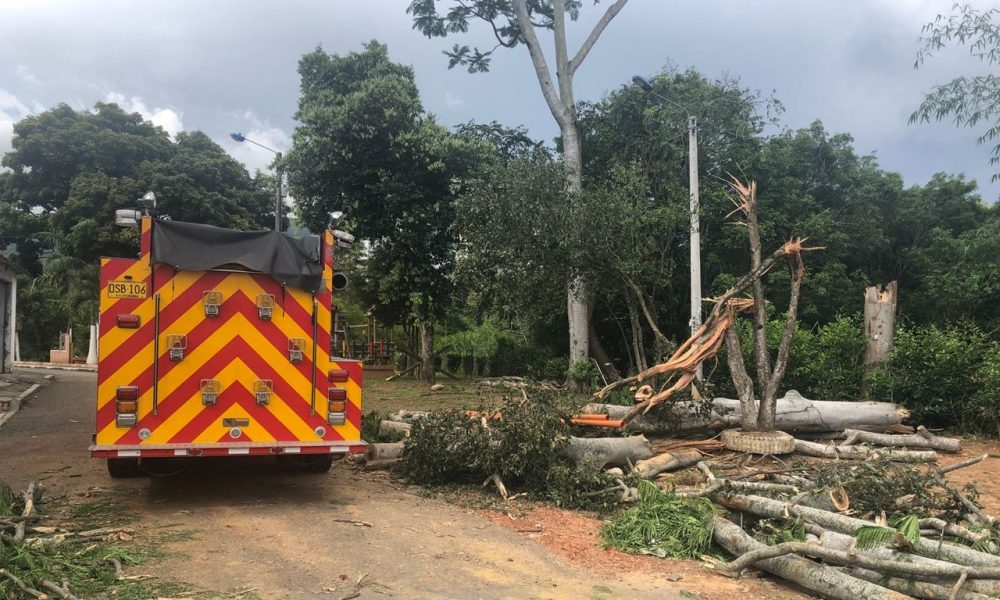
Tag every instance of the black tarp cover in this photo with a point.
(294, 262)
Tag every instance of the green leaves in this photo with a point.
(904, 533)
(662, 524)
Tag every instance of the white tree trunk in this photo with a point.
(880, 327)
(601, 452)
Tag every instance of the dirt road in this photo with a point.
(233, 524)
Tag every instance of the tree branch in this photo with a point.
(563, 74)
(558, 109)
(781, 360)
(581, 54)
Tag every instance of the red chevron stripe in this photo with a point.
(206, 417)
(114, 268)
(292, 308)
(144, 335)
(238, 304)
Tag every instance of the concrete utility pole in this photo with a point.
(695, 227)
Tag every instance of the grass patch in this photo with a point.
(662, 524)
(100, 513)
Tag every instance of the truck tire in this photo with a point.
(123, 468)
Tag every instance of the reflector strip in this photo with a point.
(128, 454)
(292, 450)
(239, 451)
(181, 452)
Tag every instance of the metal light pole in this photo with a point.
(695, 245)
(239, 137)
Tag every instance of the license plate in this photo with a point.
(126, 289)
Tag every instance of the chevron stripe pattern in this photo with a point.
(165, 344)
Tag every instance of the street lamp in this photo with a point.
(695, 321)
(239, 137)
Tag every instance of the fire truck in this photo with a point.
(215, 342)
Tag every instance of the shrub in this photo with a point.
(934, 372)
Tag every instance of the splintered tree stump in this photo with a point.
(834, 499)
(602, 452)
(825, 581)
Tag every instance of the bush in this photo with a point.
(522, 445)
(935, 373)
(491, 351)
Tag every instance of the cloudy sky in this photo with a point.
(229, 65)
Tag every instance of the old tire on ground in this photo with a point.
(758, 442)
(121, 468)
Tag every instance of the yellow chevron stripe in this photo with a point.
(187, 322)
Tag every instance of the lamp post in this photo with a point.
(239, 137)
(695, 245)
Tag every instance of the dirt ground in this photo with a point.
(248, 529)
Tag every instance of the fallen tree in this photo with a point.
(793, 414)
(598, 453)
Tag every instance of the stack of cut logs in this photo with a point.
(941, 565)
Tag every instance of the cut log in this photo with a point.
(384, 451)
(825, 581)
(407, 416)
(389, 428)
(794, 414)
(862, 453)
(665, 462)
(921, 439)
(833, 499)
(601, 452)
(912, 587)
(840, 541)
(776, 509)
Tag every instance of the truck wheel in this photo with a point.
(320, 464)
(121, 468)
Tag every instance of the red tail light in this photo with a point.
(337, 394)
(126, 321)
(338, 375)
(127, 392)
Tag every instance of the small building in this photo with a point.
(8, 314)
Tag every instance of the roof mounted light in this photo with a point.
(127, 217)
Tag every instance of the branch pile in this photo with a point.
(38, 561)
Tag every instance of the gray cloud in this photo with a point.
(229, 65)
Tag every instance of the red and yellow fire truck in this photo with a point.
(216, 342)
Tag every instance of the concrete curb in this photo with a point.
(59, 366)
(15, 404)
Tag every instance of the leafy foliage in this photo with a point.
(935, 372)
(968, 100)
(662, 524)
(875, 485)
(521, 444)
(904, 528)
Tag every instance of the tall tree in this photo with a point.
(514, 22)
(364, 146)
(968, 100)
(70, 170)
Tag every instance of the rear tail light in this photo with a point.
(126, 406)
(127, 392)
(337, 375)
(337, 406)
(128, 321)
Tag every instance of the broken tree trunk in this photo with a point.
(834, 499)
(862, 452)
(795, 414)
(840, 541)
(828, 582)
(880, 326)
(662, 463)
(601, 452)
(921, 439)
(777, 509)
